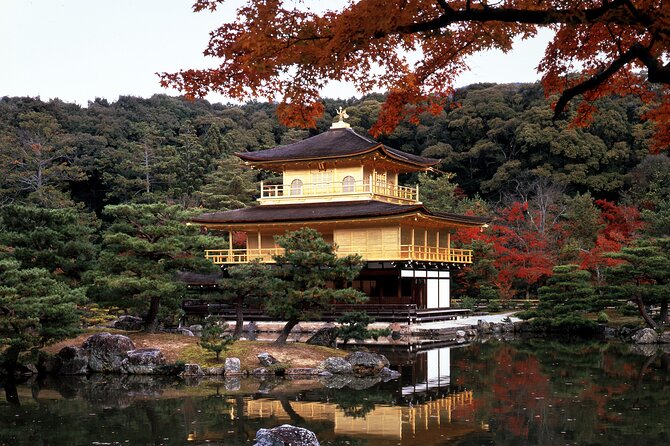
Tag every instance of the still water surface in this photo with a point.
(493, 393)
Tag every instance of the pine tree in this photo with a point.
(306, 268)
(569, 294)
(245, 285)
(643, 277)
(35, 310)
(61, 241)
(143, 249)
(214, 339)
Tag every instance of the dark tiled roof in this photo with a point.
(334, 143)
(193, 278)
(326, 211)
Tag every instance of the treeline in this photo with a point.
(94, 199)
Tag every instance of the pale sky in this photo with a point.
(77, 50)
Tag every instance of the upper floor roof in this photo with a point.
(336, 143)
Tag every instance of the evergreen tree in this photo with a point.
(214, 339)
(143, 248)
(36, 161)
(569, 294)
(306, 268)
(247, 284)
(61, 241)
(35, 310)
(230, 186)
(643, 277)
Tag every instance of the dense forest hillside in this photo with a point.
(493, 139)
(90, 195)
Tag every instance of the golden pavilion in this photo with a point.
(346, 186)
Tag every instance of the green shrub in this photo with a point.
(493, 306)
(214, 339)
(468, 303)
(354, 325)
(603, 318)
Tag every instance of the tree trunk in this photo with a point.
(10, 359)
(152, 315)
(283, 336)
(664, 312)
(643, 313)
(239, 321)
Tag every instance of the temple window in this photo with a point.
(348, 184)
(296, 187)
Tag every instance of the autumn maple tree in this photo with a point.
(285, 51)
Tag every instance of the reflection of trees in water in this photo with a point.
(526, 393)
(549, 392)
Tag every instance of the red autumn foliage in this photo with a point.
(524, 254)
(620, 224)
(285, 51)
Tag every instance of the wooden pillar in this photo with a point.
(259, 243)
(411, 248)
(230, 246)
(449, 246)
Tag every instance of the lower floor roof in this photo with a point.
(335, 211)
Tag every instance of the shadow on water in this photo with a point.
(516, 393)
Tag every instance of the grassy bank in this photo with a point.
(177, 347)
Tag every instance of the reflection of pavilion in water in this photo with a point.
(426, 409)
(424, 371)
(427, 423)
(421, 408)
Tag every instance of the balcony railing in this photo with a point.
(432, 254)
(381, 188)
(244, 255)
(406, 252)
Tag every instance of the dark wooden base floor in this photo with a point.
(401, 313)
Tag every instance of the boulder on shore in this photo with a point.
(107, 351)
(129, 323)
(266, 359)
(192, 370)
(71, 361)
(143, 361)
(286, 435)
(336, 366)
(232, 367)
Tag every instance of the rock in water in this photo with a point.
(645, 336)
(367, 363)
(337, 366)
(107, 351)
(286, 435)
(143, 361)
(266, 359)
(326, 336)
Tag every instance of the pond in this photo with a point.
(534, 392)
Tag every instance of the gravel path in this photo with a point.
(465, 322)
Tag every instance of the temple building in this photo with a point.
(346, 186)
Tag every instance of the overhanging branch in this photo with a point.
(615, 12)
(656, 73)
